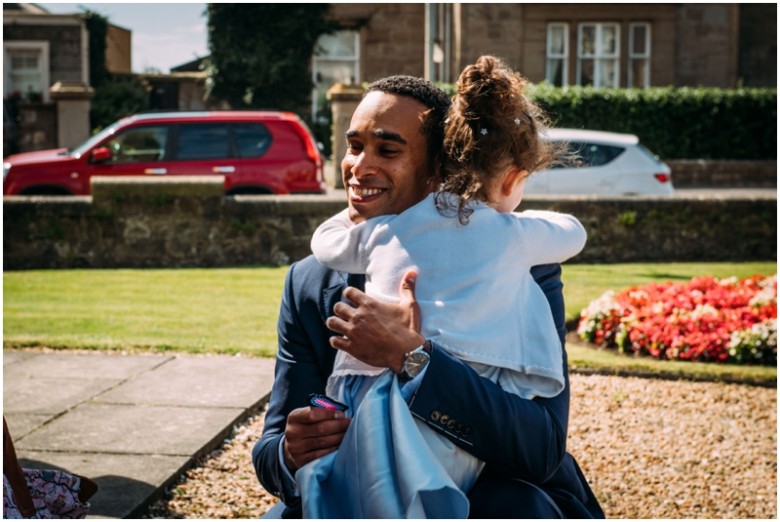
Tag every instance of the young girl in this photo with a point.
(477, 299)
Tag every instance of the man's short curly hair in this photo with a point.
(432, 97)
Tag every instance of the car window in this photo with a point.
(594, 154)
(252, 139)
(203, 141)
(649, 153)
(94, 140)
(139, 144)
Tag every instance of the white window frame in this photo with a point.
(40, 46)
(599, 54)
(645, 57)
(563, 57)
(342, 58)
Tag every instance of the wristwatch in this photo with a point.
(415, 361)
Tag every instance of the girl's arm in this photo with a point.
(339, 244)
(550, 237)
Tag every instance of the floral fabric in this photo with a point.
(54, 494)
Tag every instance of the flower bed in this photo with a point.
(706, 319)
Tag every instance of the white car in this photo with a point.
(606, 163)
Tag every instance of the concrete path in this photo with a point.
(132, 423)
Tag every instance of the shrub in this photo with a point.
(675, 123)
(120, 96)
(706, 319)
(679, 123)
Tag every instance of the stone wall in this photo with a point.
(758, 44)
(708, 45)
(723, 173)
(37, 127)
(188, 222)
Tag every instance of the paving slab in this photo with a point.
(49, 395)
(130, 429)
(11, 357)
(20, 424)
(120, 495)
(133, 423)
(220, 382)
(80, 366)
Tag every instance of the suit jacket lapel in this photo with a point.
(332, 294)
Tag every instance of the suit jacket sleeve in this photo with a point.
(303, 362)
(514, 436)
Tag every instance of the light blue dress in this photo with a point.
(375, 474)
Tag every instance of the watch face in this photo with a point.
(415, 362)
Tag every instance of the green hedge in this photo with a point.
(675, 123)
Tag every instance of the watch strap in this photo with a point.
(425, 348)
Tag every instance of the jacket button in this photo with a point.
(435, 415)
(451, 424)
(444, 419)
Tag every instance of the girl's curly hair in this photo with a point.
(491, 125)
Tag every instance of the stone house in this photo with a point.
(604, 45)
(46, 90)
(184, 89)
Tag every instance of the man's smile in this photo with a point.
(359, 193)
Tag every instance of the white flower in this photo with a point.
(751, 343)
(483, 132)
(703, 310)
(767, 295)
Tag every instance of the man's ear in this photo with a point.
(512, 177)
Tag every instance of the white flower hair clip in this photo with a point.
(518, 121)
(483, 131)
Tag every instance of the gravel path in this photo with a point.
(650, 449)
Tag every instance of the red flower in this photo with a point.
(705, 319)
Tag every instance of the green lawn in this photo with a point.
(196, 310)
(231, 310)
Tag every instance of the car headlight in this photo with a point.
(6, 169)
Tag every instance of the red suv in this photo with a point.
(258, 152)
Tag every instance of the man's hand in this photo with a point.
(310, 434)
(378, 333)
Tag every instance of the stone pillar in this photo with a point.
(344, 99)
(73, 104)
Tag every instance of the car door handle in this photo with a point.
(156, 171)
(224, 170)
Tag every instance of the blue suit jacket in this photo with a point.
(517, 438)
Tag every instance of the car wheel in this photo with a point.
(250, 191)
(45, 191)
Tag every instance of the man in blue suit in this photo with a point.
(392, 162)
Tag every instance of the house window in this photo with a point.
(26, 69)
(557, 54)
(639, 55)
(598, 54)
(336, 60)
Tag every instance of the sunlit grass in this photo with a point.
(234, 310)
(196, 310)
(584, 357)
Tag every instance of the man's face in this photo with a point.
(385, 169)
